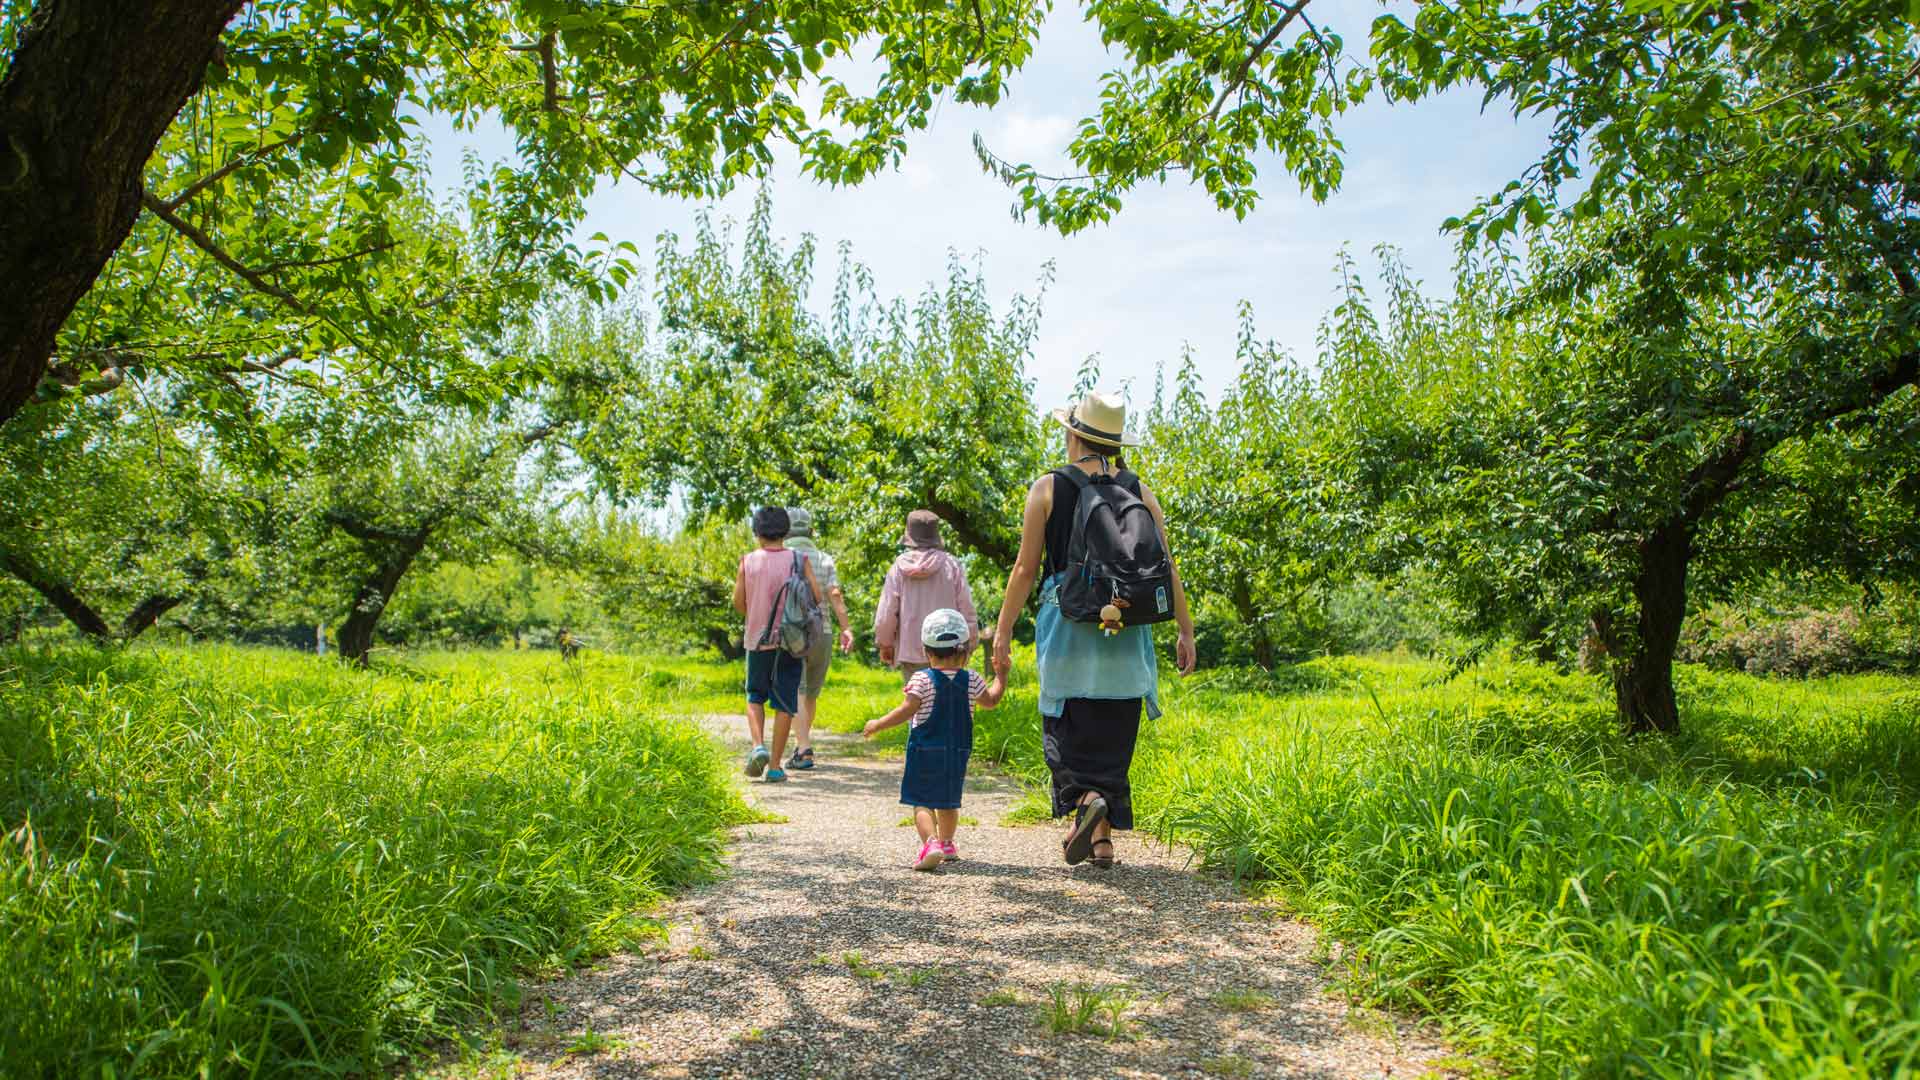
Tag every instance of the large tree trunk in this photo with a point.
(1643, 679)
(89, 91)
(355, 635)
(1242, 598)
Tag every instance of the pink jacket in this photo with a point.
(919, 583)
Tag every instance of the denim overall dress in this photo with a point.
(937, 751)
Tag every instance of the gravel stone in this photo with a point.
(823, 954)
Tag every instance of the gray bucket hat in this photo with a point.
(799, 522)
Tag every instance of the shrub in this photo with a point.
(1808, 644)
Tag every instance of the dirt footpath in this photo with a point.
(822, 954)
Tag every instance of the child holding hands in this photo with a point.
(939, 702)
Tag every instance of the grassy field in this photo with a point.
(1742, 900)
(222, 858)
(226, 861)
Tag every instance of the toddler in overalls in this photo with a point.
(939, 702)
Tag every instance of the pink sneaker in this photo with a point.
(930, 856)
(951, 853)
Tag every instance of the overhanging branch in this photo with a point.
(187, 193)
(205, 243)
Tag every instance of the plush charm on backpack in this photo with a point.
(1117, 572)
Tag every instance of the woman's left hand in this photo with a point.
(1184, 653)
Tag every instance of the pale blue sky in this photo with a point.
(1170, 270)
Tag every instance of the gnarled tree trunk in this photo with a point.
(87, 94)
(355, 635)
(1643, 678)
(728, 646)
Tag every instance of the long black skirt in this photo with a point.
(1089, 747)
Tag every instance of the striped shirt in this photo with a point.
(920, 685)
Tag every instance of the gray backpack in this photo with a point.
(795, 617)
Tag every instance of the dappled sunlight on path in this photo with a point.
(823, 955)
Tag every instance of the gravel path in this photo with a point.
(824, 955)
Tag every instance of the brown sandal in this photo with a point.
(1103, 862)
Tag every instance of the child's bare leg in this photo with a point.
(923, 823)
(803, 723)
(781, 722)
(947, 821)
(757, 723)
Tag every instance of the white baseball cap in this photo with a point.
(944, 629)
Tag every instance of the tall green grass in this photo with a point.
(227, 862)
(1743, 900)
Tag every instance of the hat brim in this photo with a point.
(1127, 438)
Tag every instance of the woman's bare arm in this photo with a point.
(1026, 567)
(1184, 652)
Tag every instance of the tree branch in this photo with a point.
(994, 548)
(366, 530)
(303, 264)
(145, 614)
(205, 243)
(224, 171)
(1239, 78)
(1711, 480)
(549, 78)
(57, 593)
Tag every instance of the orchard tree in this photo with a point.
(289, 94)
(1240, 502)
(1559, 463)
(113, 515)
(455, 491)
(676, 585)
(878, 409)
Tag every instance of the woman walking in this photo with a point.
(1095, 677)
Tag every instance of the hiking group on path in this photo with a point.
(1094, 540)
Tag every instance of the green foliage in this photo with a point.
(1736, 900)
(1242, 508)
(877, 410)
(295, 162)
(230, 860)
(114, 505)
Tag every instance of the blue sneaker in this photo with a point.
(757, 760)
(776, 776)
(801, 759)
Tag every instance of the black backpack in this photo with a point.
(1116, 556)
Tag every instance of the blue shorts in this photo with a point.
(773, 678)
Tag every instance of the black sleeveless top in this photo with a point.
(1066, 497)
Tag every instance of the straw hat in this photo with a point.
(1100, 419)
